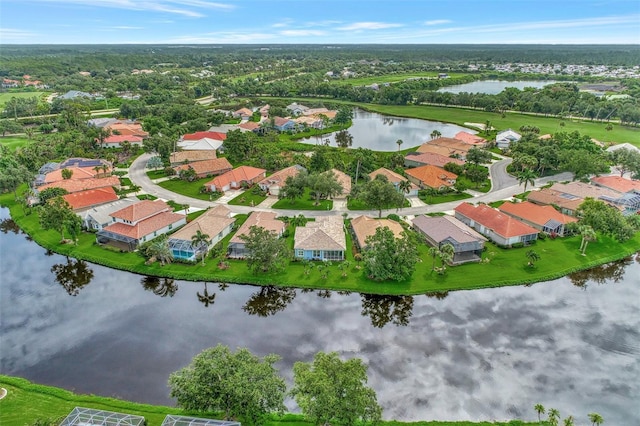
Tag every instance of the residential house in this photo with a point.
(498, 227)
(617, 183)
(628, 203)
(566, 203)
(236, 179)
(415, 159)
(297, 109)
(266, 220)
(126, 128)
(344, 180)
(250, 126)
(139, 223)
(440, 230)
(365, 226)
(283, 124)
(264, 111)
(243, 113)
(505, 138)
(116, 141)
(83, 200)
(431, 177)
(77, 173)
(273, 183)
(98, 217)
(216, 222)
(471, 139)
(186, 157)
(625, 145)
(75, 94)
(76, 185)
(309, 121)
(449, 147)
(214, 167)
(544, 218)
(395, 179)
(202, 141)
(322, 239)
(7, 83)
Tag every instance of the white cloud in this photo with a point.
(359, 26)
(438, 22)
(125, 27)
(15, 35)
(302, 33)
(222, 37)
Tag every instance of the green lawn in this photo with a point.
(390, 78)
(156, 174)
(189, 189)
(444, 198)
(355, 204)
(304, 203)
(27, 402)
(248, 198)
(14, 142)
(6, 97)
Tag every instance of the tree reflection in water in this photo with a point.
(205, 298)
(73, 275)
(8, 225)
(162, 287)
(602, 274)
(269, 300)
(385, 309)
(440, 295)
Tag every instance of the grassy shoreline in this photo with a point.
(27, 402)
(506, 267)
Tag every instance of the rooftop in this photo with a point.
(534, 213)
(432, 176)
(365, 226)
(500, 223)
(213, 166)
(266, 220)
(325, 233)
(441, 228)
(141, 210)
(211, 222)
(92, 197)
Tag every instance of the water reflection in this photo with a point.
(162, 287)
(439, 295)
(613, 271)
(205, 298)
(385, 309)
(269, 300)
(73, 275)
(8, 225)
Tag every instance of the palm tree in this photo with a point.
(554, 416)
(159, 249)
(206, 298)
(404, 186)
(588, 234)
(447, 252)
(399, 142)
(435, 134)
(433, 252)
(568, 421)
(596, 419)
(200, 242)
(540, 410)
(527, 176)
(533, 257)
(186, 209)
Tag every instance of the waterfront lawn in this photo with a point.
(306, 202)
(14, 142)
(28, 402)
(248, 198)
(190, 189)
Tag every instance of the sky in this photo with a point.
(319, 21)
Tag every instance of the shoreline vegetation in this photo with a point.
(27, 402)
(500, 267)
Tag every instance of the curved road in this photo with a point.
(503, 187)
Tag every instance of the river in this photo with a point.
(572, 344)
(381, 132)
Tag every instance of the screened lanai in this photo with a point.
(172, 420)
(89, 417)
(182, 249)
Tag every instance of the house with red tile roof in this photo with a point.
(471, 139)
(115, 141)
(266, 220)
(440, 230)
(139, 223)
(76, 185)
(544, 218)
(202, 140)
(446, 146)
(416, 159)
(77, 173)
(127, 128)
(431, 177)
(568, 204)
(84, 200)
(628, 202)
(236, 179)
(186, 157)
(243, 113)
(274, 182)
(251, 126)
(497, 226)
(395, 179)
(617, 183)
(214, 167)
(344, 180)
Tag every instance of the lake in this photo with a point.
(380, 132)
(572, 344)
(493, 87)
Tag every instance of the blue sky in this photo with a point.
(319, 21)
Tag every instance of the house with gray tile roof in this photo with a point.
(440, 230)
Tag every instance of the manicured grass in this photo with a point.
(445, 198)
(14, 142)
(355, 204)
(482, 187)
(27, 402)
(304, 203)
(156, 174)
(559, 257)
(190, 189)
(248, 198)
(176, 207)
(390, 78)
(146, 197)
(6, 97)
(125, 181)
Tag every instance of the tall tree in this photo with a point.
(435, 134)
(324, 185)
(625, 160)
(159, 250)
(293, 187)
(12, 172)
(596, 419)
(200, 242)
(540, 410)
(478, 156)
(588, 234)
(399, 142)
(55, 215)
(331, 391)
(239, 384)
(380, 194)
(388, 257)
(528, 177)
(265, 251)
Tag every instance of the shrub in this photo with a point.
(394, 216)
(542, 236)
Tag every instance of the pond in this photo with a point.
(493, 87)
(572, 344)
(380, 132)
